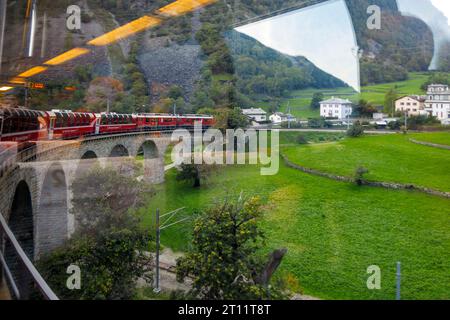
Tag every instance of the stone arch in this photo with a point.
(119, 150)
(153, 163)
(149, 150)
(89, 155)
(22, 226)
(87, 161)
(52, 217)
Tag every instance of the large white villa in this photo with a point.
(438, 102)
(336, 108)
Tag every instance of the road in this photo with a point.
(326, 130)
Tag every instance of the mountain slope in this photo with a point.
(263, 71)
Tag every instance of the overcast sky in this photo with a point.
(322, 33)
(444, 6)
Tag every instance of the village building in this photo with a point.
(438, 102)
(255, 114)
(411, 105)
(336, 108)
(278, 118)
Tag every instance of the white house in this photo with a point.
(438, 102)
(256, 114)
(411, 105)
(336, 108)
(278, 118)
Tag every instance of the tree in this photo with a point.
(102, 198)
(175, 92)
(109, 244)
(223, 262)
(389, 101)
(356, 130)
(437, 77)
(103, 91)
(230, 119)
(195, 173)
(316, 99)
(365, 109)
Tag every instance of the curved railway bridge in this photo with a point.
(36, 194)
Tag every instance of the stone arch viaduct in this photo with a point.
(35, 185)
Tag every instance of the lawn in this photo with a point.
(390, 158)
(333, 231)
(299, 101)
(435, 137)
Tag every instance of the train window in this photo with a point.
(65, 120)
(58, 122)
(71, 120)
(77, 120)
(103, 121)
(6, 121)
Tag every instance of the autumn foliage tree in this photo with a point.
(223, 262)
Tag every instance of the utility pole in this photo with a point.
(406, 121)
(289, 112)
(158, 243)
(348, 120)
(174, 108)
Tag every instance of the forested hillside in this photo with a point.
(225, 69)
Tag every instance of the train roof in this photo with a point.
(167, 115)
(21, 112)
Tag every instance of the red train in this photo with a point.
(21, 125)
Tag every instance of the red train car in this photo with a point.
(188, 121)
(156, 121)
(65, 124)
(109, 123)
(20, 125)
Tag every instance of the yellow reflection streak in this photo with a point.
(66, 56)
(33, 71)
(17, 80)
(5, 88)
(125, 31)
(183, 6)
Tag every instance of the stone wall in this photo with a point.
(429, 144)
(386, 185)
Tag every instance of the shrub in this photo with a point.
(359, 175)
(301, 140)
(356, 130)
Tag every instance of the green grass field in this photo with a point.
(333, 231)
(300, 100)
(436, 137)
(390, 158)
